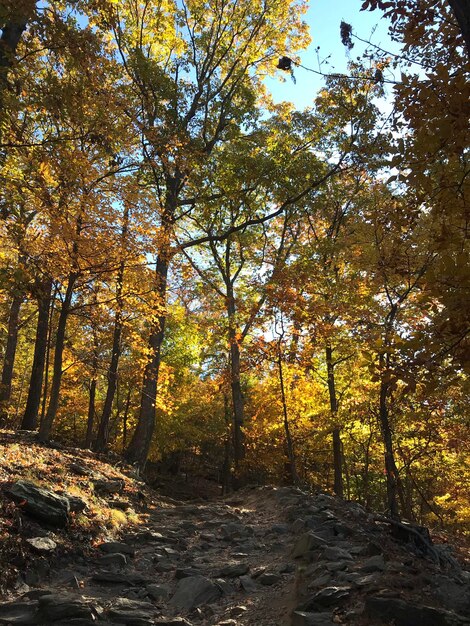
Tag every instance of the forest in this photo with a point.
(197, 277)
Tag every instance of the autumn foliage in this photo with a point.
(193, 275)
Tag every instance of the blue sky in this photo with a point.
(323, 18)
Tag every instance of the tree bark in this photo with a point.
(13, 26)
(337, 453)
(92, 397)
(139, 446)
(235, 369)
(10, 353)
(461, 10)
(46, 423)
(30, 416)
(391, 469)
(103, 430)
(289, 443)
(125, 418)
(91, 413)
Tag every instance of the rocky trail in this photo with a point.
(263, 557)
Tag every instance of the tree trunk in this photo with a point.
(226, 470)
(125, 418)
(46, 423)
(391, 470)
(10, 352)
(138, 449)
(235, 369)
(13, 25)
(461, 10)
(289, 443)
(92, 397)
(103, 430)
(30, 417)
(337, 454)
(91, 413)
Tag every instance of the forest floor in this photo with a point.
(263, 556)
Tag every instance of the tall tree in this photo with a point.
(193, 85)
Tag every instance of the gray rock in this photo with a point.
(158, 592)
(42, 544)
(18, 612)
(287, 568)
(163, 566)
(327, 597)
(337, 566)
(113, 547)
(40, 503)
(298, 525)
(80, 470)
(280, 529)
(226, 587)
(404, 614)
(234, 569)
(306, 543)
(370, 580)
(114, 578)
(122, 505)
(300, 618)
(369, 549)
(61, 606)
(104, 486)
(267, 579)
(77, 505)
(236, 611)
(453, 595)
(194, 591)
(115, 558)
(333, 553)
(247, 583)
(132, 612)
(374, 564)
(235, 530)
(321, 581)
(186, 572)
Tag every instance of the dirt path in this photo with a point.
(266, 557)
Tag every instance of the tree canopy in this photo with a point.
(192, 272)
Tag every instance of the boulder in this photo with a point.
(132, 612)
(40, 503)
(61, 606)
(103, 486)
(113, 547)
(306, 543)
(268, 578)
(404, 614)
(76, 504)
(42, 544)
(374, 564)
(158, 592)
(234, 569)
(247, 583)
(327, 597)
(193, 592)
(333, 553)
(115, 558)
(18, 612)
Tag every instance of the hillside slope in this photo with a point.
(119, 552)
